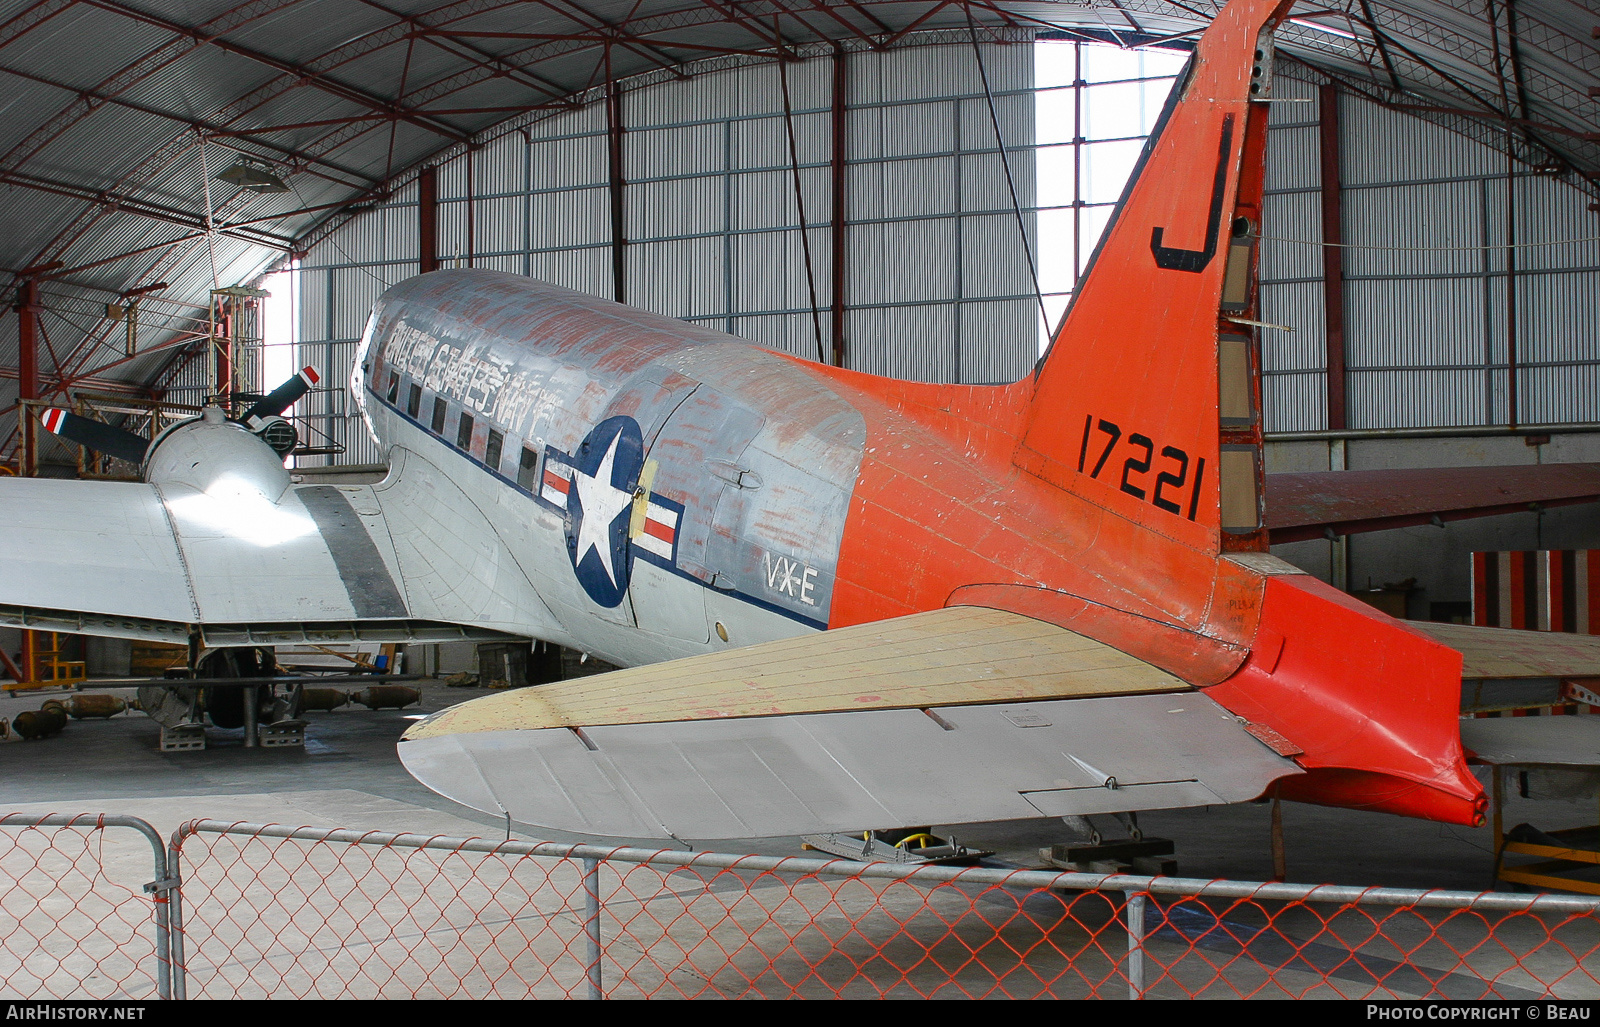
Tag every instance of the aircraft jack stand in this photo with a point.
(183, 738)
(909, 846)
(1136, 854)
(283, 734)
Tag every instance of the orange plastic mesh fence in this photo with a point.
(76, 921)
(339, 915)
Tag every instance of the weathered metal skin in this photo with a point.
(749, 459)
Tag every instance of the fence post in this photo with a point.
(175, 956)
(1135, 915)
(591, 924)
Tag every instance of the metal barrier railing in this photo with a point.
(693, 923)
(268, 910)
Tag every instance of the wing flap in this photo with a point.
(944, 657)
(754, 777)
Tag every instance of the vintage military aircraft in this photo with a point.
(1050, 598)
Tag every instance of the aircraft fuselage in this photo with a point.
(773, 496)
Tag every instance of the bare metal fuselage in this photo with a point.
(730, 469)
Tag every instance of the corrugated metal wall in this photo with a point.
(937, 286)
(1428, 338)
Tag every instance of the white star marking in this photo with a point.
(602, 502)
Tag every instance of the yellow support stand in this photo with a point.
(43, 667)
(1560, 860)
(1548, 874)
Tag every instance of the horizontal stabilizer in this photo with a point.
(751, 777)
(952, 716)
(1310, 504)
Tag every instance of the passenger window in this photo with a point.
(439, 409)
(530, 461)
(394, 387)
(491, 452)
(464, 432)
(414, 401)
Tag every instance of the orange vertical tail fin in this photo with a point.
(1145, 403)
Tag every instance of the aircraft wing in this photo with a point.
(952, 716)
(324, 562)
(1309, 504)
(1505, 669)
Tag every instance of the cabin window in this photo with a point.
(439, 410)
(414, 401)
(530, 463)
(464, 432)
(491, 452)
(394, 387)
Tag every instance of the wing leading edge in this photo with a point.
(1311, 504)
(952, 716)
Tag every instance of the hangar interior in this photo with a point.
(200, 203)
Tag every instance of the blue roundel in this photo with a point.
(604, 474)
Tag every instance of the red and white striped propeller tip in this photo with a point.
(309, 373)
(53, 419)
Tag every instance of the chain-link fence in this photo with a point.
(83, 908)
(271, 911)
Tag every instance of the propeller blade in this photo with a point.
(95, 435)
(283, 397)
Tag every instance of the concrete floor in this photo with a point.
(348, 775)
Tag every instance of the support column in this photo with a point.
(1513, 413)
(27, 376)
(28, 336)
(619, 224)
(837, 170)
(1332, 254)
(428, 219)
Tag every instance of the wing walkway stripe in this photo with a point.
(372, 591)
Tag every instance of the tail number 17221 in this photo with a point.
(1173, 492)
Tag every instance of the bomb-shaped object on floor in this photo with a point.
(80, 707)
(325, 699)
(40, 723)
(386, 697)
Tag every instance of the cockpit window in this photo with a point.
(464, 432)
(394, 387)
(414, 401)
(440, 408)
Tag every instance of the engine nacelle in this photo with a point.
(209, 453)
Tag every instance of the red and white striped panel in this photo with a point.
(660, 531)
(554, 484)
(1538, 590)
